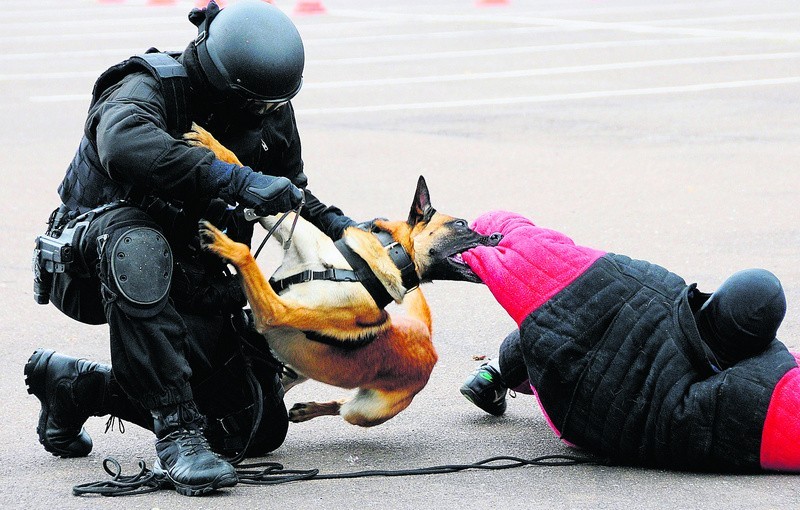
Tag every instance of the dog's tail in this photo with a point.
(416, 306)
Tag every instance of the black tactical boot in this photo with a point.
(486, 389)
(184, 457)
(55, 379)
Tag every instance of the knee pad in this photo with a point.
(138, 270)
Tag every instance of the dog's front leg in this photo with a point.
(268, 308)
(199, 137)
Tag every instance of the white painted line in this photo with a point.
(550, 71)
(72, 54)
(736, 18)
(95, 22)
(435, 55)
(598, 94)
(415, 57)
(506, 100)
(422, 36)
(93, 36)
(64, 98)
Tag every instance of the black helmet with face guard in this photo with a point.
(250, 51)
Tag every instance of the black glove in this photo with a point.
(265, 194)
(369, 225)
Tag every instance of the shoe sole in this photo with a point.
(472, 397)
(199, 490)
(36, 381)
(165, 480)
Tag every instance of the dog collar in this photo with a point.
(401, 259)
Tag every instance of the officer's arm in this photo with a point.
(281, 131)
(328, 218)
(135, 148)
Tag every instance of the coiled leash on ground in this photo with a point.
(273, 473)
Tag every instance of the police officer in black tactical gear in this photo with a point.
(132, 198)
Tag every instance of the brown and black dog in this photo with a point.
(387, 358)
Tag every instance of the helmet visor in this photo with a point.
(261, 108)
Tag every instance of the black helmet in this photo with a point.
(250, 50)
(741, 318)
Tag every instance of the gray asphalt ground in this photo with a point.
(662, 130)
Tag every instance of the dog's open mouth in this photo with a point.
(457, 263)
(457, 259)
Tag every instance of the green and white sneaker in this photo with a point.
(485, 388)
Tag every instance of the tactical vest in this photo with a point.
(86, 184)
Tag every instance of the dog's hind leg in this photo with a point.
(305, 411)
(373, 407)
(290, 380)
(368, 408)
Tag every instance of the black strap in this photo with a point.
(331, 274)
(365, 275)
(171, 75)
(175, 86)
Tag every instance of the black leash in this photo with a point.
(271, 231)
(142, 482)
(273, 473)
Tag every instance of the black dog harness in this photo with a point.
(361, 272)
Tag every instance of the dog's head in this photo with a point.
(435, 241)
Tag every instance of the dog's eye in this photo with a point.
(460, 223)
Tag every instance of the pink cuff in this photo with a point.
(780, 440)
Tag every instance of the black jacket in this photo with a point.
(613, 361)
(127, 151)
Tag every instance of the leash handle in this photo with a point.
(250, 215)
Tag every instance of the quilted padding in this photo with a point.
(529, 266)
(612, 349)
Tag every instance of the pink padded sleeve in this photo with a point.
(529, 266)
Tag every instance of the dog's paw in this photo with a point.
(304, 411)
(199, 137)
(298, 413)
(208, 234)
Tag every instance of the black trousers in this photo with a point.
(174, 354)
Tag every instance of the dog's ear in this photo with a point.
(421, 209)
